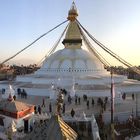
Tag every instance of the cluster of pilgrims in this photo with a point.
(10, 90)
(22, 93)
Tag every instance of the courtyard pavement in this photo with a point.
(127, 105)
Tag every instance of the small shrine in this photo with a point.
(15, 111)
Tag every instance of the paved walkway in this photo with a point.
(127, 105)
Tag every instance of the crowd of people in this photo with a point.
(20, 92)
(39, 109)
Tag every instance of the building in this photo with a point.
(13, 112)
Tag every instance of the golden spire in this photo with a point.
(72, 14)
(72, 38)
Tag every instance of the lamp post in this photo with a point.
(136, 105)
(112, 106)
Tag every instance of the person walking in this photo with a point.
(75, 100)
(92, 102)
(104, 106)
(133, 97)
(87, 104)
(72, 112)
(63, 110)
(79, 100)
(35, 109)
(39, 109)
(43, 102)
(50, 107)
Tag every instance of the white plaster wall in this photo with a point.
(18, 122)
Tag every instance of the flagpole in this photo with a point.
(112, 107)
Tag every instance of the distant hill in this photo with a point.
(22, 61)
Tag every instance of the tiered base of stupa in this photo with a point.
(91, 86)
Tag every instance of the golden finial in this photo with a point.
(72, 12)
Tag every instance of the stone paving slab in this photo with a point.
(126, 105)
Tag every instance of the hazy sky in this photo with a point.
(115, 23)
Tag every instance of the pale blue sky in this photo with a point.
(116, 23)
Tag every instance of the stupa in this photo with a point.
(75, 67)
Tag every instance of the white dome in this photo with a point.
(73, 59)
